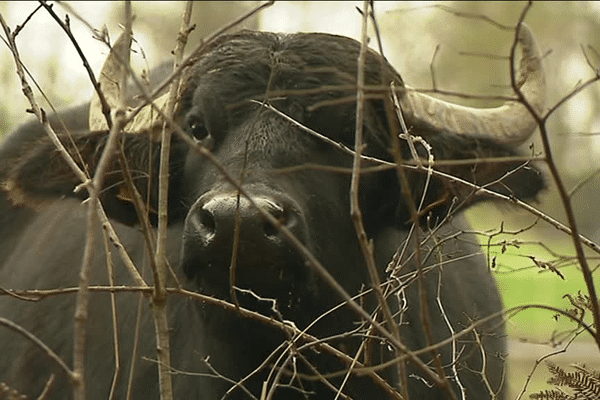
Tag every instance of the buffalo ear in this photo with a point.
(480, 162)
(38, 174)
(484, 163)
(496, 167)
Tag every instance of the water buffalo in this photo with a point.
(237, 103)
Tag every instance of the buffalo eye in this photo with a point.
(196, 128)
(198, 131)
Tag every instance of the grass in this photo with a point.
(532, 286)
(532, 266)
(536, 266)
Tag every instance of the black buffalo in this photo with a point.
(303, 183)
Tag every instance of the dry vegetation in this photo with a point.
(582, 314)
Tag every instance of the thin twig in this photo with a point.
(355, 213)
(415, 232)
(159, 298)
(81, 311)
(77, 375)
(190, 59)
(35, 340)
(339, 145)
(562, 191)
(455, 352)
(539, 361)
(110, 267)
(39, 112)
(66, 27)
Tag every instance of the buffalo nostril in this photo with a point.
(215, 221)
(207, 220)
(279, 213)
(272, 229)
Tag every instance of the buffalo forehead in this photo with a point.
(246, 64)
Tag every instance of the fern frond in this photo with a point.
(553, 394)
(589, 383)
(585, 384)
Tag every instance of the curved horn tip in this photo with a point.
(109, 82)
(525, 36)
(529, 46)
(530, 68)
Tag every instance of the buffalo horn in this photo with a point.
(145, 121)
(511, 123)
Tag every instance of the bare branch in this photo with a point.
(35, 340)
(564, 195)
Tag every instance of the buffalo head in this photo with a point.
(259, 197)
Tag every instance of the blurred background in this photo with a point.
(463, 46)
